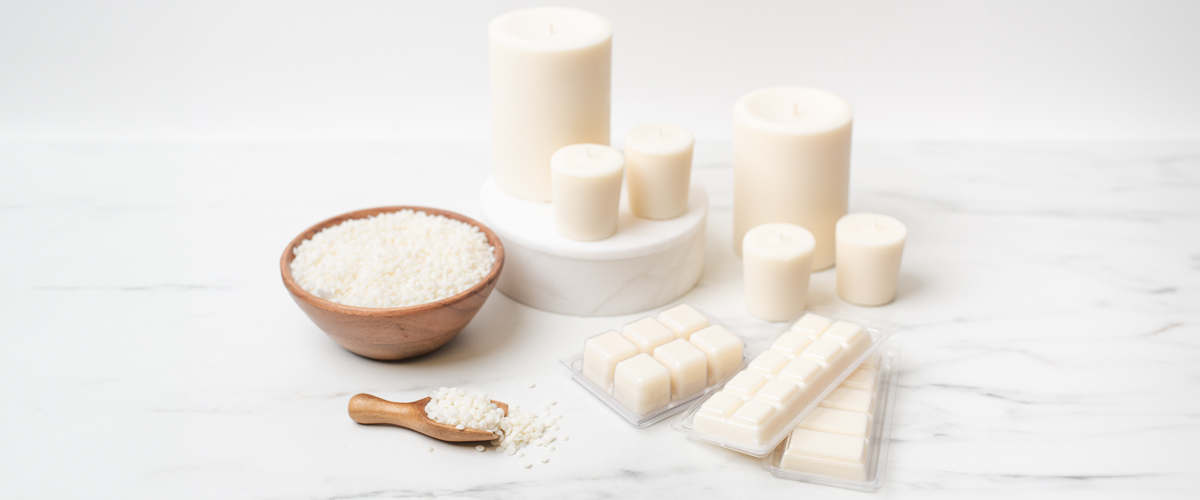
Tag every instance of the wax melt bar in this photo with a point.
(832, 440)
(784, 380)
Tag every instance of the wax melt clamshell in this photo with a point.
(574, 367)
(881, 433)
(878, 330)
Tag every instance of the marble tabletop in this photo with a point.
(149, 350)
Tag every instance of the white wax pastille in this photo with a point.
(723, 349)
(688, 367)
(601, 355)
(642, 384)
(683, 320)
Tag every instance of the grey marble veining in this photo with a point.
(148, 349)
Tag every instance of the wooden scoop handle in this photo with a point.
(368, 409)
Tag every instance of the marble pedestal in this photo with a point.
(648, 263)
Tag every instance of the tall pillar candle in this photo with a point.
(869, 247)
(658, 170)
(551, 87)
(791, 163)
(777, 263)
(586, 181)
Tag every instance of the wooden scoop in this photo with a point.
(368, 409)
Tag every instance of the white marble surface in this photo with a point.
(148, 349)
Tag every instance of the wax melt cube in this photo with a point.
(601, 355)
(768, 363)
(777, 392)
(843, 332)
(851, 423)
(721, 405)
(862, 378)
(800, 371)
(845, 398)
(642, 384)
(688, 366)
(647, 333)
(683, 320)
(822, 351)
(791, 343)
(812, 325)
(745, 384)
(828, 444)
(753, 413)
(723, 349)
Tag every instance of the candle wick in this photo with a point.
(879, 226)
(795, 109)
(660, 132)
(551, 25)
(588, 151)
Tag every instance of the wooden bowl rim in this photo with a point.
(288, 256)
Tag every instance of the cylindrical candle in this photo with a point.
(658, 164)
(777, 263)
(869, 247)
(551, 84)
(586, 180)
(791, 163)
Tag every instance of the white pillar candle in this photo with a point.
(791, 163)
(551, 84)
(586, 180)
(869, 247)
(658, 164)
(777, 262)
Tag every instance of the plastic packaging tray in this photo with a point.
(879, 331)
(574, 366)
(881, 432)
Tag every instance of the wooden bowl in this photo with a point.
(393, 333)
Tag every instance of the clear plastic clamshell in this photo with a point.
(867, 475)
(676, 403)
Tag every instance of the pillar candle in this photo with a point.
(658, 164)
(551, 77)
(791, 163)
(869, 247)
(777, 263)
(586, 181)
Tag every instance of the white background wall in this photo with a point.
(392, 70)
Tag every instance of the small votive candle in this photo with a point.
(585, 182)
(658, 163)
(869, 247)
(777, 263)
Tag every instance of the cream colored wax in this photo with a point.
(777, 262)
(551, 83)
(869, 247)
(791, 163)
(586, 180)
(658, 164)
